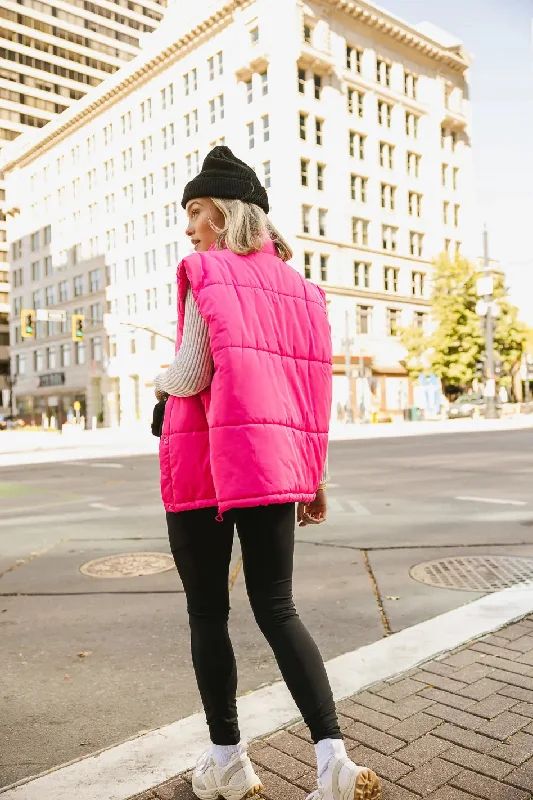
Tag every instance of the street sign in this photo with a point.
(481, 308)
(44, 315)
(485, 286)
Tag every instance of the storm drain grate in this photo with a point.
(128, 565)
(475, 573)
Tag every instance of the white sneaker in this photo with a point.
(344, 780)
(235, 781)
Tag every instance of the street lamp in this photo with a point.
(485, 289)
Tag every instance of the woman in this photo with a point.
(244, 439)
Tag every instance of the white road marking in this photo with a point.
(104, 507)
(493, 500)
(152, 758)
(338, 506)
(106, 465)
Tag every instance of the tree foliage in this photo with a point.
(456, 344)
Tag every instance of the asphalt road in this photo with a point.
(87, 662)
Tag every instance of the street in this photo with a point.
(87, 662)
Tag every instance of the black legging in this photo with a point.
(201, 547)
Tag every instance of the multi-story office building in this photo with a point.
(358, 124)
(51, 54)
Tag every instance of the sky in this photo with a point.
(498, 35)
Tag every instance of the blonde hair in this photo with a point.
(246, 226)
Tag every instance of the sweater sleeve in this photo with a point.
(192, 369)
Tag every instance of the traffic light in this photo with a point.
(27, 323)
(77, 321)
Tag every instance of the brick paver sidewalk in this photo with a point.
(456, 728)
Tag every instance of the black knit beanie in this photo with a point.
(226, 176)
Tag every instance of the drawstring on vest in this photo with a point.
(220, 517)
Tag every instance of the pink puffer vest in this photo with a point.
(258, 435)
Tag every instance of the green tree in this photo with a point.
(457, 344)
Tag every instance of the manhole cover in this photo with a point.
(128, 565)
(475, 573)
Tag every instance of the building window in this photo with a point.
(51, 358)
(383, 72)
(303, 126)
(50, 295)
(416, 243)
(413, 164)
(324, 268)
(38, 361)
(167, 96)
(306, 219)
(168, 136)
(361, 274)
(388, 196)
(393, 321)
(249, 86)
(317, 80)
(95, 313)
(384, 113)
(251, 135)
(388, 237)
(267, 174)
(264, 83)
(455, 178)
(211, 68)
(96, 348)
(420, 319)
(411, 124)
(47, 234)
(65, 355)
(417, 284)
(386, 155)
(415, 204)
(302, 79)
(445, 211)
(146, 110)
(320, 171)
(322, 218)
(95, 280)
(79, 349)
(358, 188)
(36, 271)
(354, 59)
(360, 231)
(78, 285)
(63, 291)
(266, 128)
(308, 33)
(308, 257)
(364, 320)
(319, 131)
(221, 112)
(126, 123)
(357, 145)
(454, 141)
(355, 102)
(456, 211)
(35, 240)
(390, 279)
(254, 35)
(444, 174)
(410, 84)
(458, 248)
(304, 172)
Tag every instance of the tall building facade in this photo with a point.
(51, 55)
(359, 126)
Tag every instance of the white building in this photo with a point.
(51, 54)
(357, 122)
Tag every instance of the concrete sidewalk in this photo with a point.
(456, 728)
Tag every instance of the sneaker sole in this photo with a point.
(367, 786)
(253, 791)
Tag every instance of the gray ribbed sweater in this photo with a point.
(192, 369)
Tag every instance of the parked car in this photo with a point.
(8, 421)
(470, 405)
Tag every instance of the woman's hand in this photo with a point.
(314, 513)
(161, 395)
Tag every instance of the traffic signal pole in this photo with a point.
(490, 383)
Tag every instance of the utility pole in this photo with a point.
(348, 361)
(490, 385)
